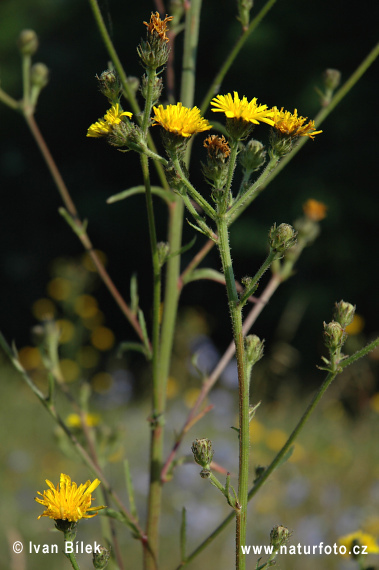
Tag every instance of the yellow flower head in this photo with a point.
(103, 127)
(180, 120)
(314, 210)
(291, 125)
(358, 538)
(236, 108)
(158, 26)
(68, 501)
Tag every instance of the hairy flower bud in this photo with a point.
(344, 313)
(332, 79)
(254, 348)
(27, 42)
(101, 558)
(279, 536)
(110, 85)
(334, 335)
(39, 75)
(253, 156)
(282, 237)
(203, 452)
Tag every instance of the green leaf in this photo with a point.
(157, 190)
(136, 346)
(205, 273)
(182, 249)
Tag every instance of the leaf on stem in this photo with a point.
(168, 197)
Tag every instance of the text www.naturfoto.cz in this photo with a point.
(306, 549)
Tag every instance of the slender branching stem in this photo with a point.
(81, 233)
(243, 390)
(128, 91)
(216, 83)
(195, 195)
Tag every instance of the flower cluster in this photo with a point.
(68, 501)
(104, 127)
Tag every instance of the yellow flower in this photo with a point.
(158, 26)
(68, 501)
(314, 210)
(180, 120)
(248, 111)
(358, 538)
(290, 124)
(103, 127)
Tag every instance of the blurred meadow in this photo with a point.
(330, 485)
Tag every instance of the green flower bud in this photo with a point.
(163, 251)
(254, 348)
(156, 91)
(244, 7)
(334, 335)
(280, 144)
(279, 536)
(110, 85)
(27, 42)
(39, 75)
(332, 79)
(253, 156)
(344, 313)
(153, 53)
(101, 559)
(203, 452)
(282, 237)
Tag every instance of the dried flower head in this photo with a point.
(291, 125)
(236, 108)
(217, 146)
(180, 120)
(314, 210)
(68, 501)
(103, 127)
(158, 26)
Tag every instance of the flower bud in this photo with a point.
(101, 558)
(280, 144)
(110, 85)
(253, 156)
(163, 250)
(254, 348)
(39, 75)
(279, 536)
(344, 313)
(282, 237)
(27, 42)
(332, 79)
(334, 335)
(203, 452)
(156, 90)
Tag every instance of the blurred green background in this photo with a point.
(331, 486)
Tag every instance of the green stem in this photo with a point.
(216, 83)
(191, 39)
(251, 193)
(192, 191)
(154, 501)
(8, 100)
(243, 390)
(276, 461)
(232, 165)
(71, 555)
(252, 285)
(303, 420)
(323, 114)
(129, 94)
(354, 357)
